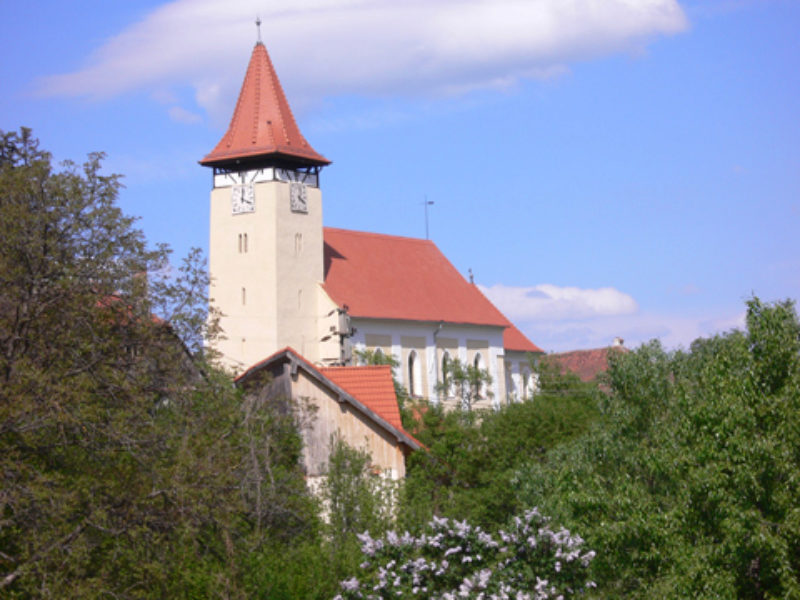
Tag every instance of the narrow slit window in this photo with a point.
(412, 358)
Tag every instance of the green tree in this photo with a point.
(468, 383)
(127, 460)
(471, 457)
(691, 487)
(355, 498)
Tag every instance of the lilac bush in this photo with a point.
(451, 560)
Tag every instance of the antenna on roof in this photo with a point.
(258, 25)
(427, 203)
(471, 276)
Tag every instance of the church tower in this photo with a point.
(266, 246)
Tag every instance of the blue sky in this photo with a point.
(605, 168)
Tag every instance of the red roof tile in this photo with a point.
(389, 277)
(586, 364)
(262, 125)
(372, 386)
(514, 339)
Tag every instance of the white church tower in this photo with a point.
(266, 244)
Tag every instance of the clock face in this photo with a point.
(298, 197)
(243, 199)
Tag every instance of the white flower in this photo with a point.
(439, 523)
(350, 585)
(483, 578)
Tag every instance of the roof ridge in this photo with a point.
(342, 367)
(380, 235)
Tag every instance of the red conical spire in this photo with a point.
(262, 129)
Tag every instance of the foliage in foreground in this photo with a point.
(692, 487)
(472, 457)
(452, 559)
(130, 467)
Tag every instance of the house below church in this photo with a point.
(357, 404)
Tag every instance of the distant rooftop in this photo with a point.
(586, 364)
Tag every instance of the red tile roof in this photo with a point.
(372, 385)
(514, 339)
(262, 125)
(389, 277)
(586, 364)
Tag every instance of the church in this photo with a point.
(285, 283)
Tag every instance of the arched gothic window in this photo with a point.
(414, 382)
(511, 391)
(477, 362)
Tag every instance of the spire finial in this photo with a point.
(258, 25)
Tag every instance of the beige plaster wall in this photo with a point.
(280, 274)
(373, 341)
(327, 324)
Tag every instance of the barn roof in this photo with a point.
(369, 390)
(372, 385)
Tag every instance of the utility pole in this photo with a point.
(427, 203)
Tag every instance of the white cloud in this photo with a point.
(364, 46)
(674, 331)
(546, 302)
(569, 318)
(181, 115)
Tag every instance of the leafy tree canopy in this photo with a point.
(691, 488)
(130, 468)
